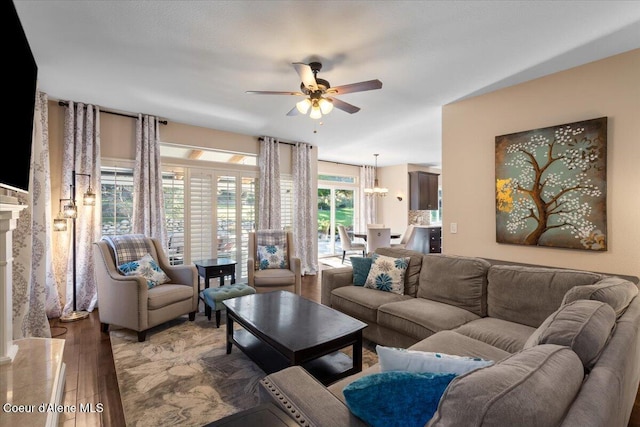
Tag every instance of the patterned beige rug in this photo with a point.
(182, 376)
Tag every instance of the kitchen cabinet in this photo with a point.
(423, 191)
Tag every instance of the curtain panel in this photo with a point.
(148, 197)
(35, 292)
(304, 228)
(269, 202)
(368, 212)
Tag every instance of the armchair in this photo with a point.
(264, 277)
(128, 301)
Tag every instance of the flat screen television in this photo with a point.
(22, 76)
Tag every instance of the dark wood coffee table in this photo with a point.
(281, 329)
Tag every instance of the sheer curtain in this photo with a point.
(81, 153)
(269, 203)
(35, 294)
(148, 198)
(368, 212)
(303, 226)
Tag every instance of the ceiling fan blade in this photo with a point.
(344, 106)
(273, 92)
(356, 87)
(306, 75)
(293, 112)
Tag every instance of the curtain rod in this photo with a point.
(115, 113)
(284, 142)
(340, 163)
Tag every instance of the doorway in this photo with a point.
(336, 206)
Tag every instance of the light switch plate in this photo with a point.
(453, 227)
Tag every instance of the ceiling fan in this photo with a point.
(319, 95)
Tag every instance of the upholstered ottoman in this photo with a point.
(214, 296)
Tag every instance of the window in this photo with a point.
(116, 192)
(208, 211)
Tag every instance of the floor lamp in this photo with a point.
(70, 211)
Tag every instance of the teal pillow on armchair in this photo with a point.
(361, 267)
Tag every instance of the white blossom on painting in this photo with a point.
(551, 186)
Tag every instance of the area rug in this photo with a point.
(335, 262)
(182, 376)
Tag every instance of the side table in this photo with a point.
(212, 268)
(265, 415)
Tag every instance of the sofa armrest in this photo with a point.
(334, 278)
(305, 399)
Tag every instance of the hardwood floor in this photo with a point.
(91, 375)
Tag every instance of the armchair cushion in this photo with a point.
(146, 267)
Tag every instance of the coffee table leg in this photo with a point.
(230, 333)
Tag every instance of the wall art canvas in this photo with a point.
(551, 186)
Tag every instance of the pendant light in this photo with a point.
(376, 190)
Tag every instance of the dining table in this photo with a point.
(363, 235)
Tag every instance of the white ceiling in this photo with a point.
(192, 61)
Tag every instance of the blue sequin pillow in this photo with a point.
(402, 399)
(387, 274)
(361, 267)
(147, 268)
(272, 256)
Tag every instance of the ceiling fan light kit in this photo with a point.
(319, 95)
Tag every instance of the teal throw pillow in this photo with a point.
(403, 399)
(147, 268)
(361, 267)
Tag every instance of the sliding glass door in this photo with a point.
(336, 206)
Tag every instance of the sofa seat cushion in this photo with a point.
(528, 295)
(362, 303)
(583, 325)
(615, 291)
(451, 342)
(533, 387)
(274, 277)
(420, 318)
(508, 336)
(163, 295)
(456, 280)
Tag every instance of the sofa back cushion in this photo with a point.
(583, 325)
(614, 291)
(412, 273)
(536, 385)
(528, 295)
(455, 280)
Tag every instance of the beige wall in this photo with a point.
(609, 87)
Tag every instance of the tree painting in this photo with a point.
(551, 186)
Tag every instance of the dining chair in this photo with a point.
(378, 238)
(406, 237)
(375, 225)
(348, 244)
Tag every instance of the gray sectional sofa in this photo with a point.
(565, 343)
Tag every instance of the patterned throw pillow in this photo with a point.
(387, 274)
(400, 359)
(272, 256)
(147, 268)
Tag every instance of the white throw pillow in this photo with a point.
(400, 359)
